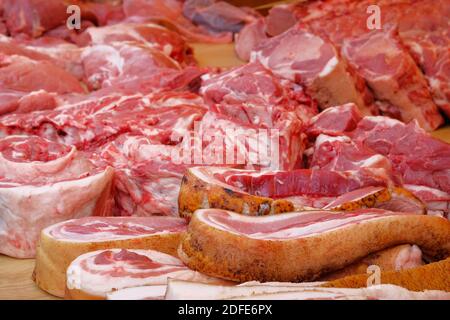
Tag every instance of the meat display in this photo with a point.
(43, 183)
(313, 158)
(403, 62)
(96, 274)
(61, 243)
(302, 246)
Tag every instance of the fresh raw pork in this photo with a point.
(169, 13)
(301, 56)
(96, 274)
(42, 183)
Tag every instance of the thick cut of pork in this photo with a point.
(43, 183)
(302, 246)
(254, 95)
(61, 243)
(394, 77)
(105, 65)
(95, 275)
(170, 14)
(183, 290)
(415, 155)
(301, 56)
(249, 38)
(32, 16)
(256, 193)
(23, 74)
(149, 34)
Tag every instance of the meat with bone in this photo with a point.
(433, 276)
(301, 56)
(31, 16)
(302, 246)
(61, 243)
(42, 183)
(96, 274)
(397, 258)
(169, 13)
(94, 122)
(182, 290)
(262, 193)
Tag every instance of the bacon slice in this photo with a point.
(61, 243)
(43, 183)
(96, 274)
(183, 290)
(302, 246)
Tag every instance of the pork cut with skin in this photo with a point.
(42, 183)
(96, 274)
(63, 242)
(182, 290)
(302, 246)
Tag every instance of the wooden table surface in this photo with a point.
(15, 274)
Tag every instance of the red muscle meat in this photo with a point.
(42, 183)
(301, 56)
(169, 13)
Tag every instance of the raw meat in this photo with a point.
(303, 245)
(183, 290)
(95, 274)
(252, 94)
(416, 156)
(267, 192)
(169, 13)
(301, 56)
(43, 182)
(218, 15)
(63, 242)
(391, 73)
(24, 74)
(249, 38)
(32, 16)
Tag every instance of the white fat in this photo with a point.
(139, 293)
(329, 67)
(325, 138)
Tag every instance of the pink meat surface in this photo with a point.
(42, 183)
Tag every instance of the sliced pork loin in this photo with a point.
(302, 246)
(97, 274)
(42, 183)
(61, 243)
(397, 258)
(183, 290)
(306, 58)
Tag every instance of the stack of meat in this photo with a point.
(115, 118)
